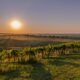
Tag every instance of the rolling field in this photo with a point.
(39, 39)
(39, 57)
(61, 68)
(16, 41)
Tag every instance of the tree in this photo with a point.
(14, 54)
(30, 53)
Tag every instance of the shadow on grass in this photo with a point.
(71, 66)
(10, 75)
(62, 60)
(61, 63)
(31, 62)
(38, 72)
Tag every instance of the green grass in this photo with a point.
(60, 68)
(65, 68)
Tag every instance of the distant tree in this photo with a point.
(14, 54)
(30, 53)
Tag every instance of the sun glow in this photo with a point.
(16, 25)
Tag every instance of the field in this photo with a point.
(40, 57)
(62, 68)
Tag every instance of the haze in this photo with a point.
(41, 16)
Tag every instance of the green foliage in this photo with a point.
(42, 52)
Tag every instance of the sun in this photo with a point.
(16, 24)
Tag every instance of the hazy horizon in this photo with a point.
(41, 16)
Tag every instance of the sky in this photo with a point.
(42, 16)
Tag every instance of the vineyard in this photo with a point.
(50, 62)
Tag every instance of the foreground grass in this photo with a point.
(61, 68)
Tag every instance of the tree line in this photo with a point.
(38, 53)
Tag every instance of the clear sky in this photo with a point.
(42, 16)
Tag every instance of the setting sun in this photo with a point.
(16, 25)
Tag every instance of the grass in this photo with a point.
(60, 68)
